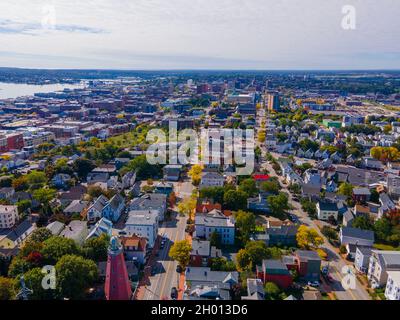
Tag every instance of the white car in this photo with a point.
(314, 284)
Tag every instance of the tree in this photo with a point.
(309, 207)
(33, 279)
(387, 129)
(307, 144)
(278, 205)
(245, 224)
(215, 193)
(24, 205)
(82, 167)
(382, 228)
(7, 291)
(180, 252)
(329, 232)
(74, 275)
(249, 187)
(40, 235)
(271, 186)
(222, 264)
(18, 267)
(363, 222)
(346, 189)
(308, 238)
(187, 206)
(36, 179)
(374, 196)
(56, 247)
(235, 200)
(20, 183)
(143, 168)
(96, 248)
(215, 239)
(195, 174)
(44, 196)
(385, 154)
(271, 290)
(253, 254)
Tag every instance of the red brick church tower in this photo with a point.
(118, 285)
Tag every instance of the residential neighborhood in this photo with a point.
(321, 204)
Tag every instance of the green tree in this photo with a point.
(271, 186)
(346, 189)
(215, 193)
(363, 222)
(7, 291)
(245, 224)
(252, 255)
(44, 196)
(40, 235)
(36, 179)
(215, 239)
(96, 248)
(55, 248)
(18, 267)
(235, 200)
(82, 167)
(249, 187)
(278, 205)
(23, 206)
(74, 275)
(222, 264)
(180, 252)
(144, 170)
(383, 228)
(33, 280)
(272, 291)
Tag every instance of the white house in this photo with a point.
(215, 221)
(392, 291)
(211, 179)
(144, 224)
(325, 210)
(8, 216)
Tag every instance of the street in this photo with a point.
(165, 277)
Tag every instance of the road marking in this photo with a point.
(341, 278)
(170, 264)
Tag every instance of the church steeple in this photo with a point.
(118, 285)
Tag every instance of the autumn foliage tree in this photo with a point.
(385, 154)
(180, 252)
(308, 238)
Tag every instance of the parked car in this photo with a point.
(314, 284)
(174, 293)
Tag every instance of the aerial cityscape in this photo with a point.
(232, 182)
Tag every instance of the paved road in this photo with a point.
(166, 276)
(335, 261)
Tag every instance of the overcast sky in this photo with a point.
(198, 34)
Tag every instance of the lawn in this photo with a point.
(381, 246)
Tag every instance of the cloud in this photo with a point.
(32, 28)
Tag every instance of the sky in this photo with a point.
(199, 34)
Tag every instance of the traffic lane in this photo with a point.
(171, 277)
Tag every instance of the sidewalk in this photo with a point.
(182, 279)
(141, 289)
